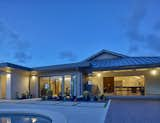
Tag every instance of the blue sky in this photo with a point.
(37, 33)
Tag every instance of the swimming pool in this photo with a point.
(23, 118)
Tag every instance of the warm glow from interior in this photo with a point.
(153, 72)
(68, 78)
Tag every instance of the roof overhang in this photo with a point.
(9, 66)
(124, 67)
(72, 66)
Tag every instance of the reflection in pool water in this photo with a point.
(23, 118)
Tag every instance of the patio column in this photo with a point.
(74, 85)
(79, 84)
(34, 86)
(63, 79)
(8, 86)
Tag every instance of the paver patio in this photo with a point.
(134, 111)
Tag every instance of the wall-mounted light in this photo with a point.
(99, 75)
(8, 75)
(33, 77)
(154, 72)
(34, 120)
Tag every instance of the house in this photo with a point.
(105, 72)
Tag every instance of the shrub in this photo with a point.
(86, 96)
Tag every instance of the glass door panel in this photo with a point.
(56, 85)
(67, 85)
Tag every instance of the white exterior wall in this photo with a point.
(152, 84)
(8, 86)
(19, 83)
(34, 86)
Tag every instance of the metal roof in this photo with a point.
(63, 66)
(121, 62)
(126, 62)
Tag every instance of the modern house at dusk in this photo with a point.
(105, 72)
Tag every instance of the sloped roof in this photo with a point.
(63, 66)
(126, 62)
(105, 52)
(122, 62)
(6, 64)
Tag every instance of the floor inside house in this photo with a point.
(129, 85)
(117, 85)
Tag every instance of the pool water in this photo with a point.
(23, 118)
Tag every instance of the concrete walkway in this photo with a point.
(134, 111)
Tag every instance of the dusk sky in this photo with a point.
(63, 31)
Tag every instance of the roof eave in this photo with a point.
(6, 64)
(126, 67)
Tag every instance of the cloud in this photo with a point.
(17, 48)
(135, 20)
(67, 55)
(153, 42)
(138, 40)
(22, 57)
(134, 24)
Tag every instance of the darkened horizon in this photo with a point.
(36, 33)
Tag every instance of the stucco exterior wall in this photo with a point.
(34, 86)
(152, 84)
(19, 83)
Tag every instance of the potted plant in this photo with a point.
(49, 94)
(23, 96)
(43, 94)
(86, 96)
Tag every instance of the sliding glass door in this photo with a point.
(60, 85)
(56, 85)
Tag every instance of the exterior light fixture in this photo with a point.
(34, 120)
(99, 75)
(153, 72)
(8, 75)
(33, 77)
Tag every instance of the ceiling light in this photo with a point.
(153, 72)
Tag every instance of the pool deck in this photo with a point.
(70, 112)
(116, 110)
